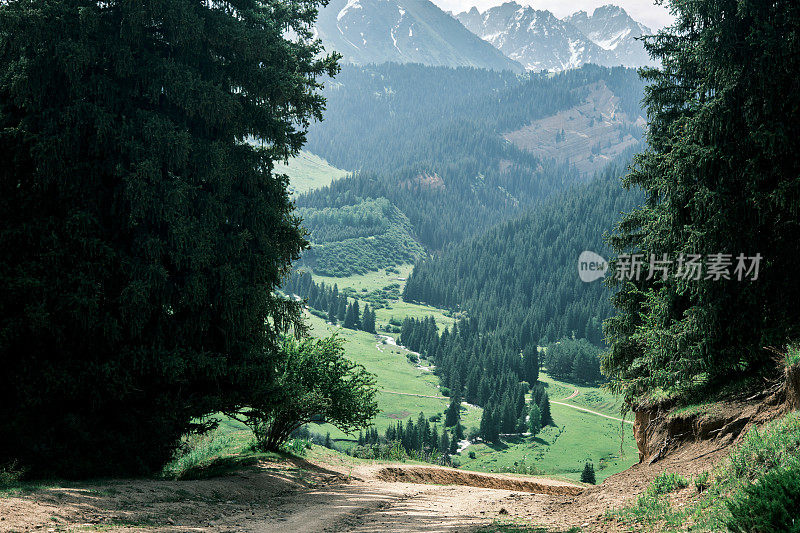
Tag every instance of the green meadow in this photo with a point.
(560, 451)
(363, 284)
(406, 390)
(307, 171)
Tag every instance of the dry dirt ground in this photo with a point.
(301, 496)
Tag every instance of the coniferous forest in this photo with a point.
(219, 234)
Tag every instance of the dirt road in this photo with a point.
(292, 495)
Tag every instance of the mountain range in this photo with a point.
(506, 37)
(540, 41)
(404, 31)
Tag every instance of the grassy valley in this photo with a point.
(408, 387)
(307, 171)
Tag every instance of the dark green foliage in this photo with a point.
(540, 398)
(421, 440)
(142, 236)
(368, 320)
(573, 360)
(519, 279)
(722, 175)
(587, 476)
(530, 364)
(351, 317)
(488, 430)
(316, 380)
(354, 239)
(452, 416)
(535, 420)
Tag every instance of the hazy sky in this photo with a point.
(644, 11)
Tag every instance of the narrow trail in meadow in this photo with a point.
(571, 396)
(592, 412)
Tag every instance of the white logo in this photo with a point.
(591, 266)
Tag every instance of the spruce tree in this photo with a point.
(351, 317)
(444, 442)
(587, 476)
(148, 234)
(544, 408)
(452, 415)
(368, 320)
(721, 177)
(535, 420)
(530, 363)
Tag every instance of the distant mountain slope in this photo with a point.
(587, 136)
(430, 139)
(307, 171)
(613, 30)
(520, 278)
(540, 41)
(404, 31)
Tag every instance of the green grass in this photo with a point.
(363, 284)
(762, 453)
(395, 373)
(307, 171)
(561, 451)
(557, 451)
(594, 398)
(517, 526)
(371, 280)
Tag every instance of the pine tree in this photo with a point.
(721, 177)
(452, 415)
(530, 362)
(150, 236)
(333, 308)
(368, 320)
(544, 408)
(535, 420)
(587, 476)
(444, 442)
(351, 317)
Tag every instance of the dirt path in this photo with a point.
(592, 412)
(571, 396)
(295, 495)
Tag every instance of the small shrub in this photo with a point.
(792, 355)
(196, 454)
(666, 483)
(471, 455)
(769, 505)
(297, 446)
(701, 482)
(10, 474)
(445, 391)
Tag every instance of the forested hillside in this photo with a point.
(520, 279)
(354, 239)
(434, 146)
